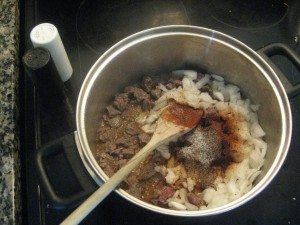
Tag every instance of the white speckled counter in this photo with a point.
(10, 190)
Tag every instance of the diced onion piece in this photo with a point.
(191, 207)
(164, 151)
(182, 194)
(232, 188)
(171, 177)
(219, 95)
(177, 205)
(257, 131)
(189, 86)
(204, 80)
(162, 87)
(232, 89)
(189, 73)
(254, 107)
(190, 184)
(205, 97)
(217, 77)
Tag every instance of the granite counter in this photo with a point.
(10, 187)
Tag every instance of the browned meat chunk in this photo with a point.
(115, 122)
(107, 162)
(158, 159)
(129, 152)
(122, 162)
(133, 187)
(110, 147)
(138, 93)
(148, 84)
(121, 101)
(207, 88)
(106, 135)
(194, 199)
(112, 111)
(165, 193)
(126, 141)
(173, 83)
(156, 93)
(147, 172)
(144, 138)
(147, 104)
(133, 129)
(131, 113)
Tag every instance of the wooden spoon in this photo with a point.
(174, 121)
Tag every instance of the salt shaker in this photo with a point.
(46, 35)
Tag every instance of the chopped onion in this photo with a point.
(217, 77)
(177, 205)
(204, 80)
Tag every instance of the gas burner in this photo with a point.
(101, 24)
(250, 14)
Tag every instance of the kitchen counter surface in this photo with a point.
(10, 190)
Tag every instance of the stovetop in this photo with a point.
(88, 28)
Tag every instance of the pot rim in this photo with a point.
(212, 35)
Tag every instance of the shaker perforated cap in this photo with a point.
(46, 35)
(40, 68)
(43, 33)
(37, 58)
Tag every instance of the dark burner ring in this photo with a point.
(250, 14)
(100, 24)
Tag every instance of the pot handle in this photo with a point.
(62, 154)
(281, 49)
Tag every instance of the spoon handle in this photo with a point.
(91, 202)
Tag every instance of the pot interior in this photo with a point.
(162, 50)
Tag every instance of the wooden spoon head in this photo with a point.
(176, 120)
(182, 115)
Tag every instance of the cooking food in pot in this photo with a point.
(214, 164)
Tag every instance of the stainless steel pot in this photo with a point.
(168, 48)
(164, 49)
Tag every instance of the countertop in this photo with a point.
(10, 187)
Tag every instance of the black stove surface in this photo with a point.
(88, 28)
